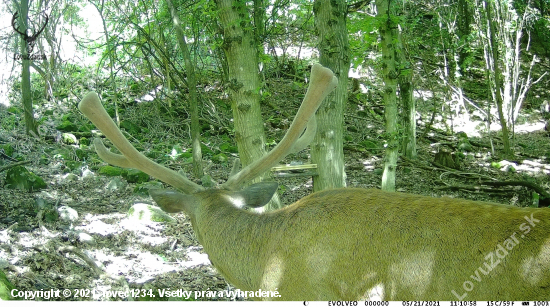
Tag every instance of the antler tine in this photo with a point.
(91, 107)
(307, 137)
(322, 83)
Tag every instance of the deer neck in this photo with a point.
(237, 248)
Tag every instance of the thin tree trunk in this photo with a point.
(166, 62)
(498, 79)
(259, 33)
(409, 116)
(407, 101)
(30, 124)
(193, 100)
(464, 21)
(111, 52)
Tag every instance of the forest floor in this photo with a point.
(104, 250)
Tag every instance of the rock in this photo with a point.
(148, 213)
(67, 214)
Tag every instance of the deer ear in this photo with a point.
(173, 202)
(258, 194)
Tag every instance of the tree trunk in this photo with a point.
(49, 64)
(327, 148)
(244, 84)
(31, 127)
(193, 103)
(498, 79)
(259, 32)
(464, 21)
(165, 61)
(408, 145)
(388, 36)
(409, 114)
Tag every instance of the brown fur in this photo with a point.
(346, 244)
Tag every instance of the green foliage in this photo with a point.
(219, 158)
(84, 141)
(130, 127)
(463, 143)
(135, 176)
(540, 30)
(153, 154)
(5, 287)
(49, 210)
(7, 149)
(15, 110)
(70, 156)
(351, 128)
(228, 147)
(81, 154)
(67, 126)
(109, 170)
(44, 160)
(10, 122)
(460, 156)
(363, 36)
(370, 145)
(73, 165)
(19, 177)
(535, 198)
(297, 86)
(376, 115)
(206, 150)
(187, 156)
(135, 87)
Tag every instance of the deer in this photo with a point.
(348, 243)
